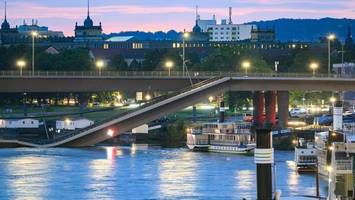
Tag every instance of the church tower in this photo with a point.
(88, 32)
(349, 43)
(5, 25)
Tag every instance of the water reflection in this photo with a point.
(101, 184)
(178, 175)
(30, 177)
(139, 173)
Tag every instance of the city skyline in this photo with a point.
(157, 15)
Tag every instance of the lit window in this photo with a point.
(106, 46)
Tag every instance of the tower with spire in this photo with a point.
(88, 31)
(5, 25)
(197, 28)
(197, 34)
(8, 35)
(349, 43)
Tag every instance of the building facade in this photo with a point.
(230, 32)
(263, 35)
(43, 31)
(88, 32)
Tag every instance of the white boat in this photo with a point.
(226, 137)
(305, 156)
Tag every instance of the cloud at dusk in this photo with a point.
(154, 15)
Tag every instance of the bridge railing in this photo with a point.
(150, 103)
(156, 74)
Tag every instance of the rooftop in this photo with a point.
(120, 39)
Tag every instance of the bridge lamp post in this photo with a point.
(332, 100)
(314, 66)
(169, 65)
(100, 64)
(246, 65)
(21, 64)
(34, 34)
(330, 38)
(185, 36)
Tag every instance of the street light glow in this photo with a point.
(100, 64)
(331, 37)
(246, 64)
(21, 63)
(169, 64)
(186, 35)
(314, 66)
(332, 99)
(148, 97)
(34, 33)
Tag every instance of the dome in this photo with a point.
(88, 22)
(196, 29)
(5, 25)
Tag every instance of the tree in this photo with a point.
(152, 59)
(118, 63)
(135, 65)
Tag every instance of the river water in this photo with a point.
(140, 172)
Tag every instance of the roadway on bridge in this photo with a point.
(11, 82)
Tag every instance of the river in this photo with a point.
(140, 172)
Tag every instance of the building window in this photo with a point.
(106, 46)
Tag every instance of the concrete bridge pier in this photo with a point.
(270, 109)
(283, 100)
(258, 112)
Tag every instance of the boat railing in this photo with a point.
(344, 165)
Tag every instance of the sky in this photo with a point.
(156, 15)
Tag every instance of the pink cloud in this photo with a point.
(169, 17)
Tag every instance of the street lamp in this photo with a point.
(185, 36)
(148, 97)
(34, 34)
(169, 65)
(246, 65)
(100, 64)
(314, 66)
(332, 100)
(21, 64)
(330, 38)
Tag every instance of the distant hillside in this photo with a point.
(308, 29)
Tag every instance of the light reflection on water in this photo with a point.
(139, 172)
(178, 175)
(25, 183)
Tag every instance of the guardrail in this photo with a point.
(157, 74)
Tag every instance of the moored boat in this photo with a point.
(222, 137)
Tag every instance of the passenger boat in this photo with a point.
(305, 156)
(336, 156)
(222, 137)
